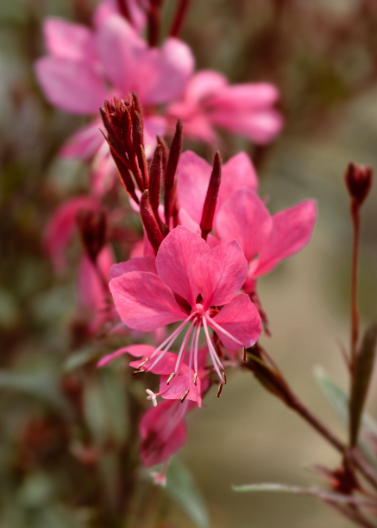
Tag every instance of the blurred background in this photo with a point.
(323, 58)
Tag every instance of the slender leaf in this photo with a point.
(297, 490)
(181, 487)
(361, 379)
(80, 358)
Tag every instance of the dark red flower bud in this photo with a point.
(92, 226)
(155, 177)
(150, 223)
(359, 182)
(211, 197)
(175, 151)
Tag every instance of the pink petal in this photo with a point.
(237, 172)
(134, 350)
(291, 231)
(175, 259)
(120, 50)
(144, 302)
(193, 177)
(259, 125)
(164, 366)
(177, 389)
(73, 86)
(186, 220)
(244, 217)
(67, 40)
(161, 435)
(108, 8)
(84, 143)
(61, 226)
(134, 264)
(241, 319)
(245, 96)
(91, 291)
(102, 175)
(204, 83)
(153, 126)
(163, 74)
(220, 274)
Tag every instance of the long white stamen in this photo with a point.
(220, 329)
(193, 338)
(176, 332)
(212, 351)
(182, 349)
(196, 346)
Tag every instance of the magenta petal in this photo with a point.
(73, 86)
(241, 319)
(153, 126)
(164, 366)
(175, 259)
(245, 96)
(291, 231)
(84, 143)
(144, 302)
(237, 172)
(244, 217)
(186, 220)
(161, 434)
(163, 74)
(220, 274)
(91, 292)
(120, 50)
(68, 40)
(193, 178)
(134, 264)
(204, 83)
(179, 385)
(134, 350)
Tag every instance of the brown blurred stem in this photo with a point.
(355, 212)
(179, 18)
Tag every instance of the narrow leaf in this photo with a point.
(181, 487)
(361, 379)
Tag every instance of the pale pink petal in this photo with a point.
(164, 366)
(144, 302)
(237, 172)
(220, 274)
(61, 226)
(193, 175)
(134, 264)
(204, 83)
(137, 249)
(212, 241)
(73, 86)
(259, 125)
(84, 143)
(102, 174)
(67, 40)
(244, 96)
(186, 220)
(197, 126)
(134, 350)
(161, 435)
(108, 8)
(291, 231)
(120, 50)
(175, 258)
(163, 74)
(241, 319)
(244, 217)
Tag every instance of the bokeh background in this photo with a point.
(323, 57)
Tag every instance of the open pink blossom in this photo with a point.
(244, 109)
(265, 240)
(86, 66)
(195, 285)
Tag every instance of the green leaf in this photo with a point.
(297, 490)
(361, 379)
(181, 487)
(39, 385)
(80, 358)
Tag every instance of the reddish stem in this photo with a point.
(179, 17)
(355, 212)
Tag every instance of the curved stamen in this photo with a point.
(212, 350)
(220, 329)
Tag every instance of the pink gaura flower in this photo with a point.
(195, 285)
(241, 215)
(244, 109)
(86, 66)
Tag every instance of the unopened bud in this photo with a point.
(175, 151)
(358, 179)
(92, 226)
(211, 197)
(150, 223)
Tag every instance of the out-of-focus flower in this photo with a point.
(198, 286)
(84, 67)
(244, 109)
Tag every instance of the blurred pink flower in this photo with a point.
(244, 109)
(86, 66)
(191, 283)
